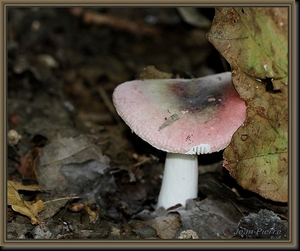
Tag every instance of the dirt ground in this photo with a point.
(98, 180)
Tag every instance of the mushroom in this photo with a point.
(183, 117)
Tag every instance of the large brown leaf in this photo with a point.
(255, 43)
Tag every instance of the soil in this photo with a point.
(97, 179)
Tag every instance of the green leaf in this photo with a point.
(255, 43)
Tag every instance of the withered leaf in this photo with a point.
(28, 164)
(166, 226)
(18, 204)
(255, 43)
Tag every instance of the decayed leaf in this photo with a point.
(30, 209)
(150, 72)
(254, 41)
(265, 224)
(28, 164)
(211, 218)
(166, 226)
(68, 157)
(92, 209)
(54, 205)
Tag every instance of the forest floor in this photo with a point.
(63, 66)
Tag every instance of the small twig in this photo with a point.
(144, 160)
(92, 17)
(236, 207)
(107, 101)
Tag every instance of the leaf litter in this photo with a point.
(29, 208)
(95, 179)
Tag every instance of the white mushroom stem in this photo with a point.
(180, 180)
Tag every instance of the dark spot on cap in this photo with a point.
(195, 97)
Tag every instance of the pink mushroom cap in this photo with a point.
(188, 116)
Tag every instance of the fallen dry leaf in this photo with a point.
(92, 209)
(28, 164)
(265, 225)
(54, 205)
(211, 218)
(254, 42)
(166, 226)
(150, 72)
(18, 204)
(64, 160)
